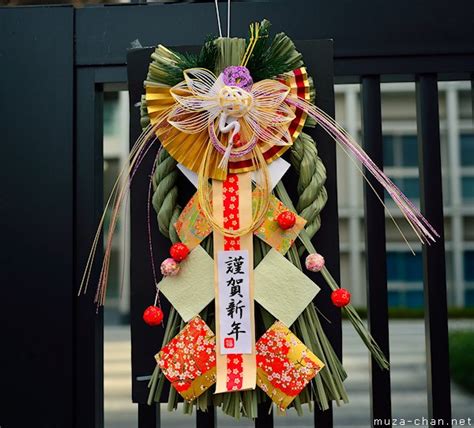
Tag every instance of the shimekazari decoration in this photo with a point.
(235, 275)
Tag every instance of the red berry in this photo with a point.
(286, 219)
(179, 251)
(236, 140)
(153, 315)
(340, 297)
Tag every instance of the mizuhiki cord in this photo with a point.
(117, 195)
(222, 149)
(136, 148)
(419, 224)
(103, 278)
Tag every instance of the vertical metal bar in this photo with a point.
(320, 63)
(265, 419)
(436, 317)
(376, 268)
(472, 97)
(88, 206)
(324, 418)
(206, 419)
(37, 256)
(149, 416)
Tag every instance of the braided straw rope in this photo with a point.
(312, 195)
(165, 196)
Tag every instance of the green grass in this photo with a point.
(461, 351)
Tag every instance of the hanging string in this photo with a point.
(218, 18)
(157, 301)
(141, 142)
(103, 278)
(148, 216)
(115, 200)
(228, 18)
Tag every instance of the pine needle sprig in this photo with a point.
(167, 65)
(262, 43)
(207, 57)
(271, 59)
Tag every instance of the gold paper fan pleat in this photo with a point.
(189, 149)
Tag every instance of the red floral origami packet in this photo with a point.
(285, 365)
(189, 360)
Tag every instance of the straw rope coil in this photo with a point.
(165, 196)
(312, 195)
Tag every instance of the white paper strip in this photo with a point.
(277, 170)
(234, 302)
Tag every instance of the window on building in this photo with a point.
(469, 277)
(410, 186)
(469, 266)
(400, 151)
(404, 266)
(466, 143)
(110, 113)
(468, 187)
(401, 163)
(405, 279)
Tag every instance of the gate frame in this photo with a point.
(422, 41)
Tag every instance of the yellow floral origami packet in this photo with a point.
(270, 232)
(192, 226)
(285, 365)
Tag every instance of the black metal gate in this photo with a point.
(55, 63)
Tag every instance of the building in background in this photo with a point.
(116, 150)
(404, 269)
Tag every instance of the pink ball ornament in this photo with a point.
(169, 267)
(314, 262)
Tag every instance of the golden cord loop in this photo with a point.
(260, 204)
